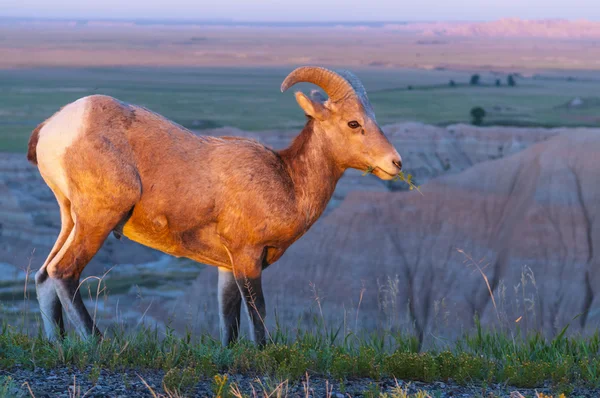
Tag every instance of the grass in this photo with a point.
(249, 98)
(481, 358)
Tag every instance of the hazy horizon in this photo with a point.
(309, 10)
(233, 21)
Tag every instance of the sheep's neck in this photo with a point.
(313, 170)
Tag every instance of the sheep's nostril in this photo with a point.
(398, 164)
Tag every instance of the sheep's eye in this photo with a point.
(353, 124)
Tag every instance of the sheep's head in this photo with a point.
(347, 118)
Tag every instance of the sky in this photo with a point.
(304, 10)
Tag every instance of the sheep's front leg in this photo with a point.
(247, 269)
(230, 301)
(251, 289)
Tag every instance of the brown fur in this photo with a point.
(33, 141)
(201, 195)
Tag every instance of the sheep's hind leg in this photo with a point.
(50, 307)
(70, 297)
(103, 187)
(65, 269)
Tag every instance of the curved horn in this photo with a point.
(334, 85)
(359, 89)
(356, 84)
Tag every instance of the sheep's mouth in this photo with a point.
(383, 174)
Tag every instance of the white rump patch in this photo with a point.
(59, 133)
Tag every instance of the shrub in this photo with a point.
(477, 114)
(411, 366)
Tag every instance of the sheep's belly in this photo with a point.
(201, 244)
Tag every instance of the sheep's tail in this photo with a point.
(33, 141)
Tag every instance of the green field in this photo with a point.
(249, 98)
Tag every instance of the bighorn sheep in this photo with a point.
(229, 202)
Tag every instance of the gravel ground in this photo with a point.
(67, 382)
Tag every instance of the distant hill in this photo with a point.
(515, 27)
(541, 45)
(505, 27)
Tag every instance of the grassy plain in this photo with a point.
(249, 98)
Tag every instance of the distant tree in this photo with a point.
(410, 88)
(452, 83)
(475, 80)
(477, 114)
(511, 81)
(498, 83)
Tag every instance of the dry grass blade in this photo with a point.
(235, 391)
(144, 314)
(306, 386)
(328, 389)
(25, 291)
(154, 395)
(318, 301)
(277, 392)
(485, 278)
(26, 384)
(360, 299)
(98, 291)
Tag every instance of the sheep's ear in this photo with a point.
(316, 110)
